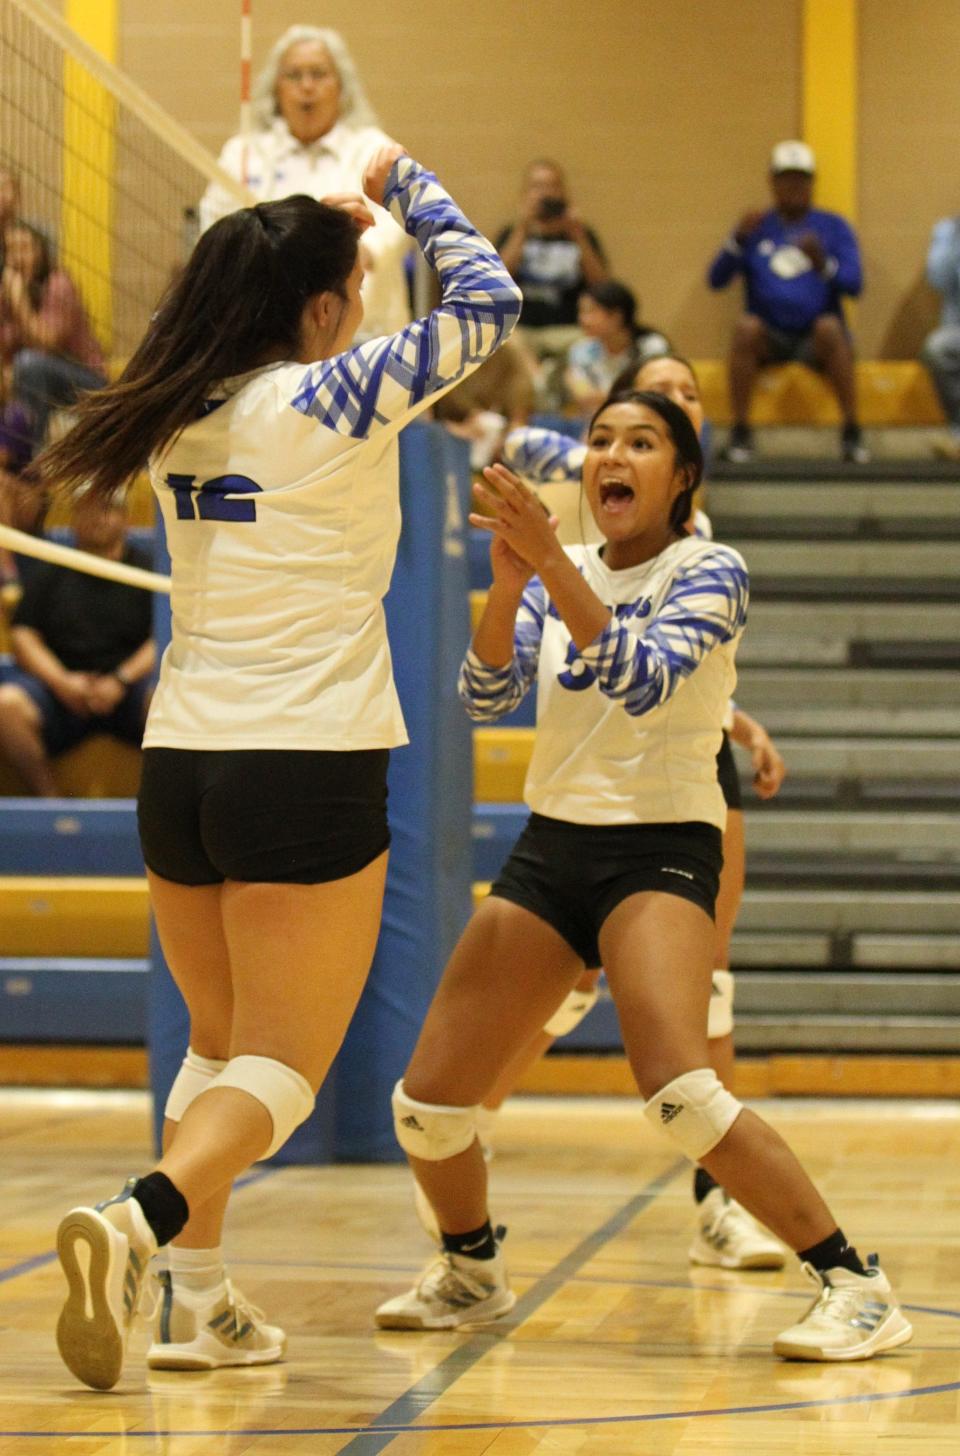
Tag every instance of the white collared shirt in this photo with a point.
(275, 165)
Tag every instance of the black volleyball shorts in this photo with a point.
(262, 815)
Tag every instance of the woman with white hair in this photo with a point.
(314, 131)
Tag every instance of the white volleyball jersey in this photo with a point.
(628, 730)
(281, 506)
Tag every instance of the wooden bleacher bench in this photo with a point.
(890, 392)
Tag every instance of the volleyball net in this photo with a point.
(110, 179)
(104, 171)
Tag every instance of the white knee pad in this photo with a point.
(195, 1075)
(570, 1012)
(286, 1095)
(720, 1015)
(425, 1130)
(696, 1110)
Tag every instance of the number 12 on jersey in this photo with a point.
(219, 499)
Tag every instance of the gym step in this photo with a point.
(869, 760)
(813, 719)
(766, 1033)
(929, 838)
(835, 632)
(885, 914)
(834, 506)
(851, 562)
(783, 993)
(802, 870)
(69, 837)
(794, 470)
(73, 999)
(54, 915)
(803, 949)
(817, 588)
(771, 687)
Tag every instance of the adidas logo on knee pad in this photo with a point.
(670, 1110)
(411, 1121)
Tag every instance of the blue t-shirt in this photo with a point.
(782, 286)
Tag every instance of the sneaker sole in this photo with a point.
(893, 1332)
(89, 1339)
(773, 1260)
(490, 1309)
(187, 1357)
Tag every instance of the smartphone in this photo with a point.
(551, 208)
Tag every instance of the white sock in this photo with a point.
(200, 1271)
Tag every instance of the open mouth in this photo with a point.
(615, 495)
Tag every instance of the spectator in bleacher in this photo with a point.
(48, 351)
(798, 263)
(84, 654)
(315, 130)
(554, 256)
(941, 349)
(613, 340)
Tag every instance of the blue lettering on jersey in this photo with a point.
(215, 499)
(576, 675)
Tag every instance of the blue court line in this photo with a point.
(404, 1410)
(384, 1434)
(38, 1261)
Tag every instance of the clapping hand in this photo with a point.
(525, 535)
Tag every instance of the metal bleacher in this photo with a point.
(849, 935)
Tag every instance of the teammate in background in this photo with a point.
(727, 1236)
(272, 448)
(632, 643)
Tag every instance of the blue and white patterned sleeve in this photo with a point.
(488, 693)
(544, 456)
(387, 381)
(705, 606)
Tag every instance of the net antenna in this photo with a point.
(246, 106)
(103, 169)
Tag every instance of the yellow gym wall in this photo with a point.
(663, 115)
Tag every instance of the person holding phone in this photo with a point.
(553, 255)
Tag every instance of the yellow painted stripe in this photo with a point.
(830, 100)
(50, 915)
(89, 119)
(501, 757)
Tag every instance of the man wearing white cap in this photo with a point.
(797, 263)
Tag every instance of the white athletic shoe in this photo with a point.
(853, 1317)
(207, 1331)
(453, 1290)
(104, 1252)
(728, 1237)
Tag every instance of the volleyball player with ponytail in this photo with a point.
(271, 443)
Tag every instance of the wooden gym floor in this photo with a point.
(616, 1346)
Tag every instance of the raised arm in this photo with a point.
(546, 457)
(706, 606)
(386, 382)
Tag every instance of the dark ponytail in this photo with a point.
(238, 303)
(686, 443)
